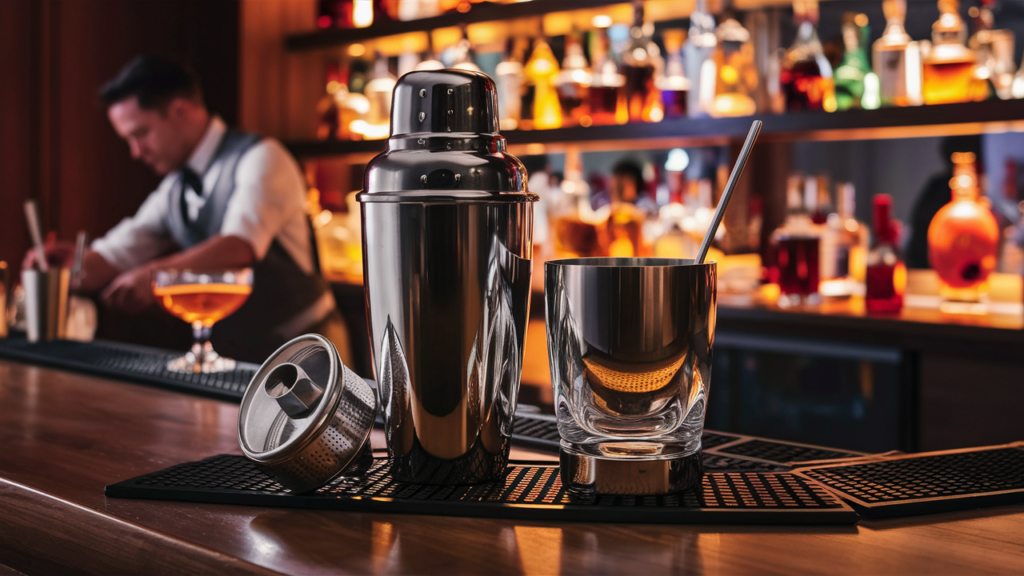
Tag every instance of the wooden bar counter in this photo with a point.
(65, 436)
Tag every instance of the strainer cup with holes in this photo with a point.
(305, 417)
(629, 344)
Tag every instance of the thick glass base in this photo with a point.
(201, 359)
(585, 475)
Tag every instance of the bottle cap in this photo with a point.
(882, 224)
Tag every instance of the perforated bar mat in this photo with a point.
(784, 452)
(126, 362)
(529, 491)
(722, 452)
(929, 482)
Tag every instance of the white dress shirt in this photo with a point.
(269, 202)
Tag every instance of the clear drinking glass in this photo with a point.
(630, 343)
(202, 298)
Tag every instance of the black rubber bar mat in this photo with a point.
(127, 362)
(784, 452)
(530, 490)
(929, 482)
(722, 452)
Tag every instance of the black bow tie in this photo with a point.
(189, 179)
(192, 180)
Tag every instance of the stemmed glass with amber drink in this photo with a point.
(202, 298)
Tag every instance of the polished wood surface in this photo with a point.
(65, 436)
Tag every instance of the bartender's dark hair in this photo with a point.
(155, 81)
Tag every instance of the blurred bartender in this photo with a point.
(228, 199)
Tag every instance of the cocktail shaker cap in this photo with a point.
(305, 417)
(444, 144)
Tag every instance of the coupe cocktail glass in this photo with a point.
(202, 298)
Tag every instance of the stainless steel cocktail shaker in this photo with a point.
(447, 249)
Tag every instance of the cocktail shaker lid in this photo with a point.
(293, 400)
(444, 144)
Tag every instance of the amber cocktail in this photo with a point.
(202, 298)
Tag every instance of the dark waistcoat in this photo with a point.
(281, 289)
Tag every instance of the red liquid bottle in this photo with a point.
(886, 273)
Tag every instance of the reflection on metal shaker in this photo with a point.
(447, 239)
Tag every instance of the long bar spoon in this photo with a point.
(730, 185)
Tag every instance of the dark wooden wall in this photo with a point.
(56, 144)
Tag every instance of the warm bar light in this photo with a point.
(362, 13)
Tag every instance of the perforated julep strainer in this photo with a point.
(305, 417)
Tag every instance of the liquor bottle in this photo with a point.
(850, 245)
(573, 82)
(540, 73)
(1011, 254)
(607, 87)
(963, 241)
(625, 220)
(699, 52)
(818, 199)
(796, 247)
(428, 59)
(994, 51)
(736, 80)
(462, 54)
(673, 84)
(1011, 257)
(378, 91)
(639, 64)
(334, 14)
(818, 203)
(352, 108)
(948, 73)
(886, 273)
(674, 241)
(328, 114)
(416, 9)
(850, 74)
(362, 13)
(806, 75)
(890, 56)
(508, 77)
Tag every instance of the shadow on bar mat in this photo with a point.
(137, 364)
(530, 491)
(928, 482)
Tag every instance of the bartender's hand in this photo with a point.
(96, 271)
(58, 255)
(131, 291)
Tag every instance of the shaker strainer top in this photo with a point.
(444, 144)
(291, 400)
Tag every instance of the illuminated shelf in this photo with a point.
(483, 12)
(911, 122)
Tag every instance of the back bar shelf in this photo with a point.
(909, 122)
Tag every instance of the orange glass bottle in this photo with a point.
(948, 72)
(963, 240)
(540, 71)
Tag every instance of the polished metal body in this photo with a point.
(630, 343)
(46, 303)
(447, 257)
(305, 417)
